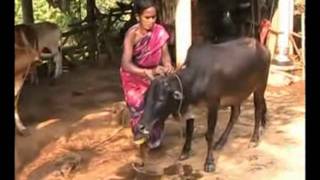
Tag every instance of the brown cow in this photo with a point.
(48, 35)
(26, 54)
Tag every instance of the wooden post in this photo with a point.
(253, 15)
(183, 30)
(27, 11)
(91, 19)
(303, 46)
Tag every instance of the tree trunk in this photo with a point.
(27, 11)
(91, 4)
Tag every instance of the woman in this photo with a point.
(145, 54)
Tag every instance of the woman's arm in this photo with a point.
(126, 60)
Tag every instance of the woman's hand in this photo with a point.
(168, 69)
(159, 70)
(149, 73)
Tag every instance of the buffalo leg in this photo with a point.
(259, 113)
(264, 111)
(187, 145)
(58, 63)
(235, 112)
(209, 165)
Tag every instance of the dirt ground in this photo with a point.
(77, 133)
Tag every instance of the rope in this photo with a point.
(180, 103)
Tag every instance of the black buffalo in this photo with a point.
(220, 75)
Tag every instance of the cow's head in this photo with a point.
(162, 99)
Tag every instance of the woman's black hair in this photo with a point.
(140, 5)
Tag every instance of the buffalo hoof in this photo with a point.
(184, 156)
(138, 166)
(253, 144)
(24, 132)
(209, 167)
(254, 141)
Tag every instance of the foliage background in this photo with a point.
(42, 11)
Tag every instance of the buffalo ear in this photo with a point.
(177, 95)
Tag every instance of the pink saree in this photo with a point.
(146, 54)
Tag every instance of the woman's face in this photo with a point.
(147, 18)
